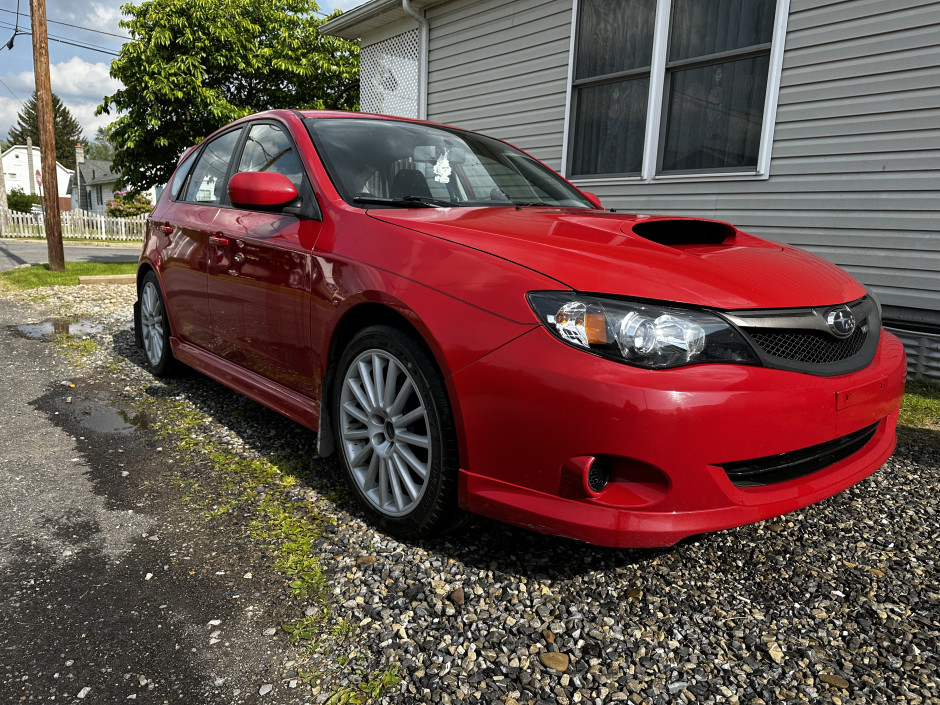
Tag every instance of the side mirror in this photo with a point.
(592, 197)
(261, 189)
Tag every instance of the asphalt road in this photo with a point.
(14, 253)
(111, 587)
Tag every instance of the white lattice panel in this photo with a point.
(388, 76)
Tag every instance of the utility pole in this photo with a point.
(50, 194)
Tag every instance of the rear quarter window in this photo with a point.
(179, 177)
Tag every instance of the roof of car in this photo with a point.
(348, 114)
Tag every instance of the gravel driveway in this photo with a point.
(838, 603)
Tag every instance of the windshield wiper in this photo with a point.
(403, 202)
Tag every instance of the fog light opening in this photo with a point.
(596, 477)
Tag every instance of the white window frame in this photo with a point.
(654, 108)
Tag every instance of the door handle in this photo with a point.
(218, 240)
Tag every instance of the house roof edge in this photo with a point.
(352, 24)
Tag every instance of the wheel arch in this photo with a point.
(143, 269)
(371, 313)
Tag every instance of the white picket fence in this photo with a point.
(75, 224)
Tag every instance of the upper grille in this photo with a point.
(802, 339)
(814, 347)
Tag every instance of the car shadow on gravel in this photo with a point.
(479, 542)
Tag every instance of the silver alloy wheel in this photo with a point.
(152, 322)
(385, 432)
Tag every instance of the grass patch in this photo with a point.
(920, 407)
(78, 349)
(40, 275)
(367, 691)
(289, 526)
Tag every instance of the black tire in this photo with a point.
(380, 426)
(154, 327)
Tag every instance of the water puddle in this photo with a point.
(50, 328)
(141, 420)
(100, 417)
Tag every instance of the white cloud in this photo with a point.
(84, 112)
(77, 77)
(97, 15)
(104, 17)
(22, 84)
(8, 111)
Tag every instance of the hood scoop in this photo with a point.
(678, 232)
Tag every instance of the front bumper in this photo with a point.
(532, 411)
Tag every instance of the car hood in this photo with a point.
(601, 252)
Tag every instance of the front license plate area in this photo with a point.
(859, 395)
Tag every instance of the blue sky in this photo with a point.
(79, 75)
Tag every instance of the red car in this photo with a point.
(470, 330)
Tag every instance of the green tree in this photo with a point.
(19, 200)
(194, 66)
(67, 129)
(101, 147)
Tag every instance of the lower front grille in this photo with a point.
(797, 463)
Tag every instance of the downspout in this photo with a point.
(422, 58)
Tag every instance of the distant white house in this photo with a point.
(16, 172)
(98, 186)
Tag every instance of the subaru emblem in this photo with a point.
(841, 321)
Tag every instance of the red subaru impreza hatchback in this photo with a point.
(467, 329)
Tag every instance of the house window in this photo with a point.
(98, 195)
(671, 87)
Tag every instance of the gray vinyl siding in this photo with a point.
(855, 169)
(501, 68)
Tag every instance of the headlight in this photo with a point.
(642, 334)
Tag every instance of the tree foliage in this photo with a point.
(100, 148)
(195, 65)
(67, 129)
(22, 202)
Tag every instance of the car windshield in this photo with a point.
(402, 164)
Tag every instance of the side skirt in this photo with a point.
(297, 407)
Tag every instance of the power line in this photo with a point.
(63, 40)
(75, 26)
(12, 93)
(85, 46)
